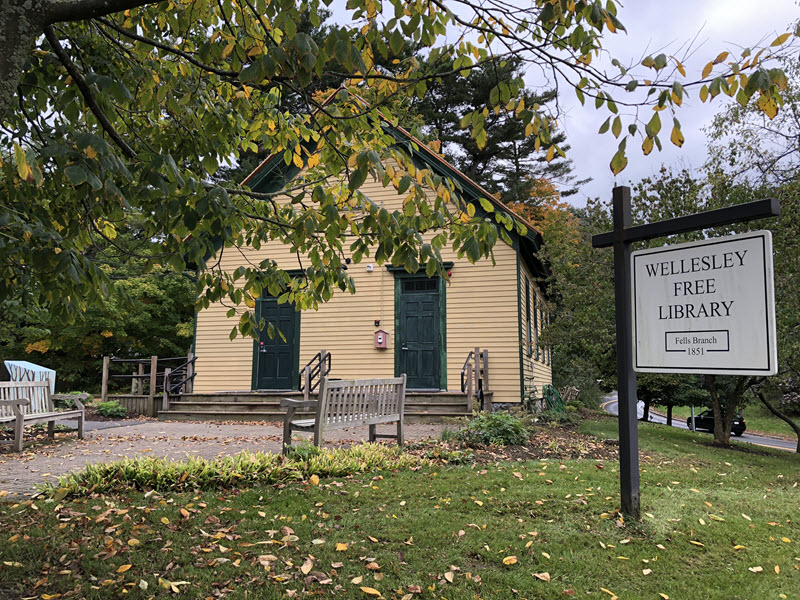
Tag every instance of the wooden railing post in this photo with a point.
(188, 387)
(140, 380)
(151, 396)
(323, 369)
(487, 396)
(165, 395)
(470, 391)
(306, 382)
(476, 360)
(104, 385)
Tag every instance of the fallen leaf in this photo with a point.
(185, 513)
(696, 543)
(647, 571)
(546, 555)
(510, 560)
(372, 539)
(777, 570)
(340, 547)
(739, 547)
(314, 480)
(357, 580)
(542, 576)
(373, 566)
(371, 591)
(755, 569)
(664, 596)
(124, 568)
(449, 576)
(746, 517)
(307, 566)
(165, 520)
(786, 540)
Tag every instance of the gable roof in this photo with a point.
(272, 174)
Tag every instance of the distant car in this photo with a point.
(705, 420)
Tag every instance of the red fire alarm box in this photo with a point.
(381, 339)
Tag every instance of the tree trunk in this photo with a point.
(669, 415)
(20, 24)
(795, 427)
(722, 435)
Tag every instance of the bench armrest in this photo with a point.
(77, 398)
(295, 404)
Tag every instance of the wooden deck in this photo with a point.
(265, 406)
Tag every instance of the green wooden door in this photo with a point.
(419, 337)
(275, 361)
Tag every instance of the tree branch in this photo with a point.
(86, 92)
(60, 11)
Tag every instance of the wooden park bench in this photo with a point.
(24, 402)
(348, 403)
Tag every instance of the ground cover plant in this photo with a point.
(717, 524)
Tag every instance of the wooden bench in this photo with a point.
(23, 402)
(348, 403)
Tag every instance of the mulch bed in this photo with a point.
(559, 443)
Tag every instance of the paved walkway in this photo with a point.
(21, 472)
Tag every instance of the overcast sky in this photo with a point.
(666, 26)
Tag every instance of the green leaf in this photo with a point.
(76, 174)
(486, 205)
(619, 161)
(616, 128)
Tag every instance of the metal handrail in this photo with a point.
(314, 367)
(464, 371)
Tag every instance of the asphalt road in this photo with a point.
(609, 405)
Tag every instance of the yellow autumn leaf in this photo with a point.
(313, 161)
(510, 560)
(746, 517)
(546, 555)
(781, 39)
(90, 152)
(371, 591)
(676, 137)
(165, 520)
(297, 160)
(739, 547)
(449, 576)
(340, 547)
(357, 580)
(124, 568)
(226, 52)
(664, 596)
(478, 502)
(777, 570)
(185, 513)
(542, 576)
(610, 593)
(786, 540)
(314, 480)
(696, 543)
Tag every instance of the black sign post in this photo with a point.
(622, 238)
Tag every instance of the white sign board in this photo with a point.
(705, 307)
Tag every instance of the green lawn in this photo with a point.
(756, 416)
(718, 524)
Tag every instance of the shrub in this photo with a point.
(112, 409)
(303, 451)
(241, 470)
(498, 428)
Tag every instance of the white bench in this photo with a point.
(23, 402)
(348, 403)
